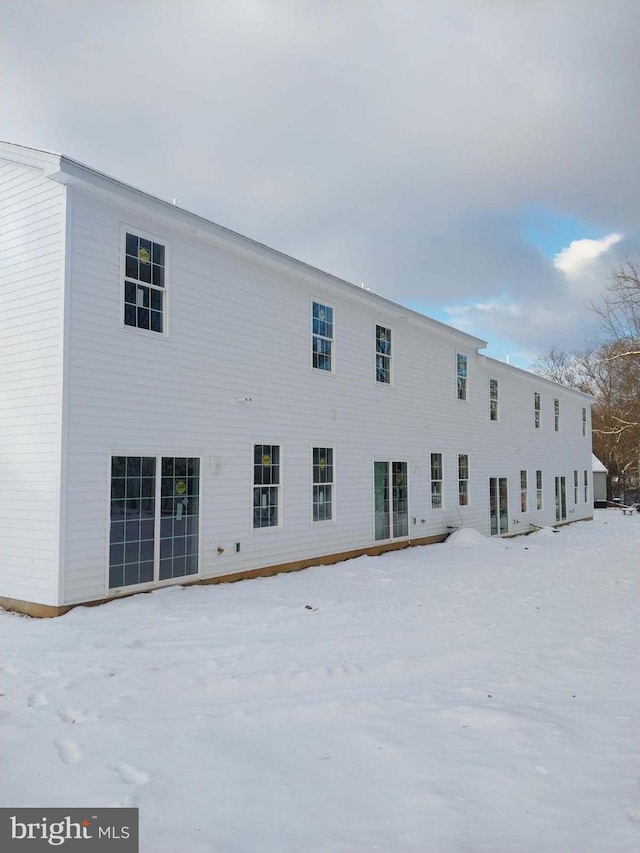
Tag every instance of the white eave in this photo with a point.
(67, 171)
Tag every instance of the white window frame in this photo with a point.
(164, 290)
(386, 357)
(261, 528)
(316, 336)
(586, 486)
(494, 400)
(436, 480)
(556, 414)
(320, 484)
(463, 482)
(462, 377)
(576, 487)
(536, 410)
(584, 421)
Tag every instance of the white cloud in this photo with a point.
(580, 253)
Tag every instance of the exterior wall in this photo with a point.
(32, 216)
(239, 327)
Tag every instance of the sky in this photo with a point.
(476, 160)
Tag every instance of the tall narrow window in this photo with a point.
(463, 479)
(536, 410)
(436, 481)
(523, 491)
(586, 487)
(322, 334)
(322, 483)
(144, 283)
(493, 399)
(266, 485)
(575, 487)
(584, 421)
(461, 376)
(383, 355)
(556, 415)
(538, 489)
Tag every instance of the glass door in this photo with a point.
(154, 519)
(498, 505)
(391, 500)
(561, 498)
(381, 500)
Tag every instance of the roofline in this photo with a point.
(530, 375)
(66, 170)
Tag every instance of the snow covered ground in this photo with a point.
(478, 695)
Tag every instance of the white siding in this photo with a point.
(239, 327)
(31, 277)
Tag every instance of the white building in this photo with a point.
(179, 403)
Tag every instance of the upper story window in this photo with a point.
(462, 376)
(266, 485)
(536, 410)
(322, 334)
(493, 399)
(586, 486)
(383, 355)
(322, 483)
(584, 421)
(463, 479)
(144, 282)
(556, 415)
(436, 481)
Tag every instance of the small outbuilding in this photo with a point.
(599, 482)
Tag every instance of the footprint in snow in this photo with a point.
(37, 700)
(76, 715)
(131, 775)
(68, 751)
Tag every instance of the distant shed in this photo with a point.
(599, 481)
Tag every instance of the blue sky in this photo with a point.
(478, 161)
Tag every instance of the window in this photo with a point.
(153, 500)
(436, 481)
(322, 334)
(493, 399)
(584, 422)
(266, 485)
(536, 410)
(322, 483)
(538, 489)
(144, 283)
(383, 355)
(523, 491)
(586, 487)
(556, 415)
(461, 373)
(575, 487)
(463, 479)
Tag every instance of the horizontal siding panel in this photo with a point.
(31, 275)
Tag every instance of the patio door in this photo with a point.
(154, 519)
(391, 500)
(561, 498)
(498, 505)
